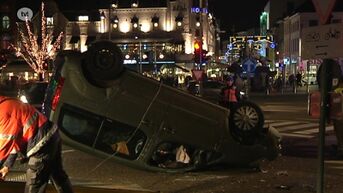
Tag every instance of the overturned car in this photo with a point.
(110, 111)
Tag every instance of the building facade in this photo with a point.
(293, 26)
(286, 20)
(151, 36)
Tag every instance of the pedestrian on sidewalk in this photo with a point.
(26, 131)
(299, 79)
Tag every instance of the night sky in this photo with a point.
(240, 14)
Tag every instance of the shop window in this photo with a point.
(5, 22)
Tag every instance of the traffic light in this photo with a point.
(197, 52)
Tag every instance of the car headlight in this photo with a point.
(23, 99)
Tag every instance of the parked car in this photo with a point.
(111, 111)
(210, 90)
(33, 93)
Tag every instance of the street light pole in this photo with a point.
(109, 22)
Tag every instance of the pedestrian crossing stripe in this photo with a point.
(301, 129)
(299, 126)
(278, 124)
(315, 130)
(335, 164)
(296, 135)
(338, 162)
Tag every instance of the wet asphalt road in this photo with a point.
(294, 171)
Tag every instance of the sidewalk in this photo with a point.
(288, 91)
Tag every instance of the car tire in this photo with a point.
(103, 63)
(246, 122)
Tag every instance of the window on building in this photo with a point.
(196, 3)
(115, 22)
(50, 21)
(102, 22)
(155, 21)
(5, 22)
(179, 20)
(134, 21)
(313, 22)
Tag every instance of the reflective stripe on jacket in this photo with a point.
(22, 128)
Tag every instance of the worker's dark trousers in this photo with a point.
(47, 164)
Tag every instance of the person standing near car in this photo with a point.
(230, 94)
(24, 130)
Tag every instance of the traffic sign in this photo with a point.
(323, 9)
(324, 41)
(249, 65)
(198, 74)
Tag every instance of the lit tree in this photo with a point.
(37, 53)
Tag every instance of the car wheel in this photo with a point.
(246, 122)
(103, 63)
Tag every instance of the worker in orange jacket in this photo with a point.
(26, 131)
(230, 94)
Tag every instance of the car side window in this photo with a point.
(108, 136)
(81, 127)
(172, 155)
(120, 139)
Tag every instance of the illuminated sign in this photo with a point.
(25, 14)
(198, 10)
(130, 61)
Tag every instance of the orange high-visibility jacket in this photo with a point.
(22, 128)
(230, 95)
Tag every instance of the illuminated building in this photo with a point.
(150, 34)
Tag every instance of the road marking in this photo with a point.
(334, 161)
(296, 135)
(334, 164)
(301, 129)
(283, 123)
(68, 151)
(200, 178)
(300, 126)
(315, 130)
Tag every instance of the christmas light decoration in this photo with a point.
(37, 53)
